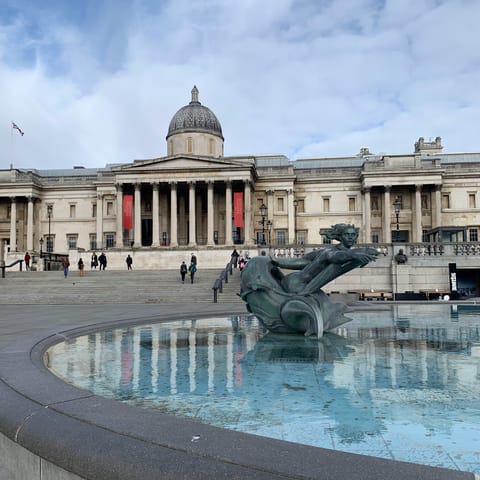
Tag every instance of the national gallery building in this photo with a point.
(195, 198)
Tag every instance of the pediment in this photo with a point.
(180, 163)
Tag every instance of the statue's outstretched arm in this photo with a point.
(290, 263)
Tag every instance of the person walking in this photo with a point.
(235, 256)
(81, 267)
(94, 261)
(193, 259)
(183, 270)
(192, 270)
(129, 261)
(26, 259)
(65, 265)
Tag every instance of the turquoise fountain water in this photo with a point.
(400, 383)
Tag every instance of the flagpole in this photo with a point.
(12, 152)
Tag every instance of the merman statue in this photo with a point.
(295, 303)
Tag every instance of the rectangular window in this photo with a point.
(446, 200)
(72, 211)
(50, 244)
(326, 204)
(375, 237)
(374, 203)
(473, 234)
(280, 204)
(72, 241)
(280, 237)
(109, 209)
(109, 240)
(301, 237)
(189, 145)
(471, 201)
(351, 204)
(300, 205)
(93, 241)
(424, 199)
(94, 210)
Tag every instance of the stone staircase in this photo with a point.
(114, 286)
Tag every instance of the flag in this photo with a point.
(16, 127)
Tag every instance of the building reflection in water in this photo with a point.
(381, 370)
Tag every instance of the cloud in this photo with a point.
(93, 83)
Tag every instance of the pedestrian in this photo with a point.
(129, 261)
(94, 261)
(65, 265)
(183, 270)
(193, 259)
(102, 259)
(235, 256)
(241, 264)
(81, 267)
(26, 259)
(191, 271)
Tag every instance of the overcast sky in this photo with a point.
(92, 82)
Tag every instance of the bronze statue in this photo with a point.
(295, 303)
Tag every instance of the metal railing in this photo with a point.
(3, 267)
(223, 277)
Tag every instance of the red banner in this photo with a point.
(238, 209)
(127, 212)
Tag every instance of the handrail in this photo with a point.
(3, 266)
(218, 284)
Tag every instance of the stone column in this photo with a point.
(417, 227)
(248, 212)
(437, 207)
(192, 228)
(387, 221)
(13, 224)
(155, 216)
(137, 233)
(173, 215)
(99, 221)
(291, 218)
(210, 209)
(119, 233)
(228, 214)
(367, 216)
(30, 224)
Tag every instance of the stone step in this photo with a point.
(97, 287)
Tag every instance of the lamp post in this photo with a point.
(263, 214)
(397, 205)
(41, 247)
(269, 227)
(295, 205)
(49, 241)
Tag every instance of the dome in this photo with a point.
(194, 117)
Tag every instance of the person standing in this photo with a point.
(26, 259)
(65, 265)
(102, 259)
(81, 267)
(129, 261)
(183, 270)
(192, 270)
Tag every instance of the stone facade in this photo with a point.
(196, 198)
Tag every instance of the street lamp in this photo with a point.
(397, 205)
(263, 214)
(269, 227)
(295, 205)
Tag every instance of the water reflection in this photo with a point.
(390, 385)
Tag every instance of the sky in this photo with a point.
(96, 82)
